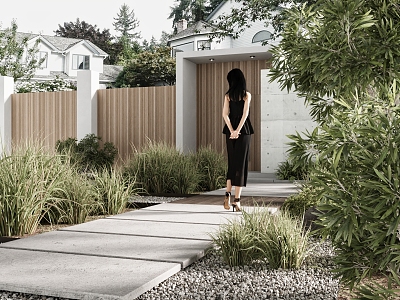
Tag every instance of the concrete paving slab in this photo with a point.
(201, 208)
(173, 216)
(180, 251)
(263, 189)
(143, 228)
(79, 276)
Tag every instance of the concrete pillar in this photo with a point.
(86, 115)
(282, 113)
(6, 90)
(186, 112)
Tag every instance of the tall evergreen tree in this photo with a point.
(192, 10)
(126, 24)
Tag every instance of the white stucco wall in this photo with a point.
(186, 112)
(282, 114)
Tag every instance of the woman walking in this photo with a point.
(238, 130)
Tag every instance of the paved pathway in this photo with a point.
(119, 257)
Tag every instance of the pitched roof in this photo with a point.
(61, 44)
(199, 27)
(215, 11)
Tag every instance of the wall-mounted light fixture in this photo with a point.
(212, 59)
(252, 56)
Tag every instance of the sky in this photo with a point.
(43, 16)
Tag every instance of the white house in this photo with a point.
(65, 56)
(197, 37)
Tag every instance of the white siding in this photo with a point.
(245, 39)
(96, 63)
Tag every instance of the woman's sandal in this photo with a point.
(227, 201)
(236, 205)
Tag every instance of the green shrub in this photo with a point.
(212, 167)
(88, 153)
(297, 204)
(277, 239)
(160, 168)
(288, 170)
(113, 191)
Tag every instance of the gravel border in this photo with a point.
(210, 278)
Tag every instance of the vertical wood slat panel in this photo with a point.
(130, 116)
(43, 117)
(211, 88)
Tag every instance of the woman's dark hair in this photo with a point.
(237, 85)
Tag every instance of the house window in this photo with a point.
(41, 55)
(80, 62)
(203, 45)
(262, 36)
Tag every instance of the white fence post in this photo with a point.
(86, 106)
(6, 90)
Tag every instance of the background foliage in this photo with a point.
(149, 68)
(343, 57)
(17, 59)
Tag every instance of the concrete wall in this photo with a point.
(186, 138)
(282, 114)
(6, 90)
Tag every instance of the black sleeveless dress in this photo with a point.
(238, 149)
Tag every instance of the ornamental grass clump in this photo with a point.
(277, 239)
(212, 168)
(75, 199)
(29, 178)
(113, 191)
(160, 168)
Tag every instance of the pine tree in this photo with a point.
(126, 22)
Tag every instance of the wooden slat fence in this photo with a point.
(43, 117)
(131, 116)
(211, 88)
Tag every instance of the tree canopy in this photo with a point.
(343, 56)
(269, 11)
(149, 68)
(17, 59)
(83, 30)
(192, 10)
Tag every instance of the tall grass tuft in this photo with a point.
(113, 191)
(212, 168)
(160, 168)
(75, 200)
(277, 239)
(29, 177)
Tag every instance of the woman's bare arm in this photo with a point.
(246, 110)
(225, 114)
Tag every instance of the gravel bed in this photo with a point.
(210, 278)
(153, 199)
